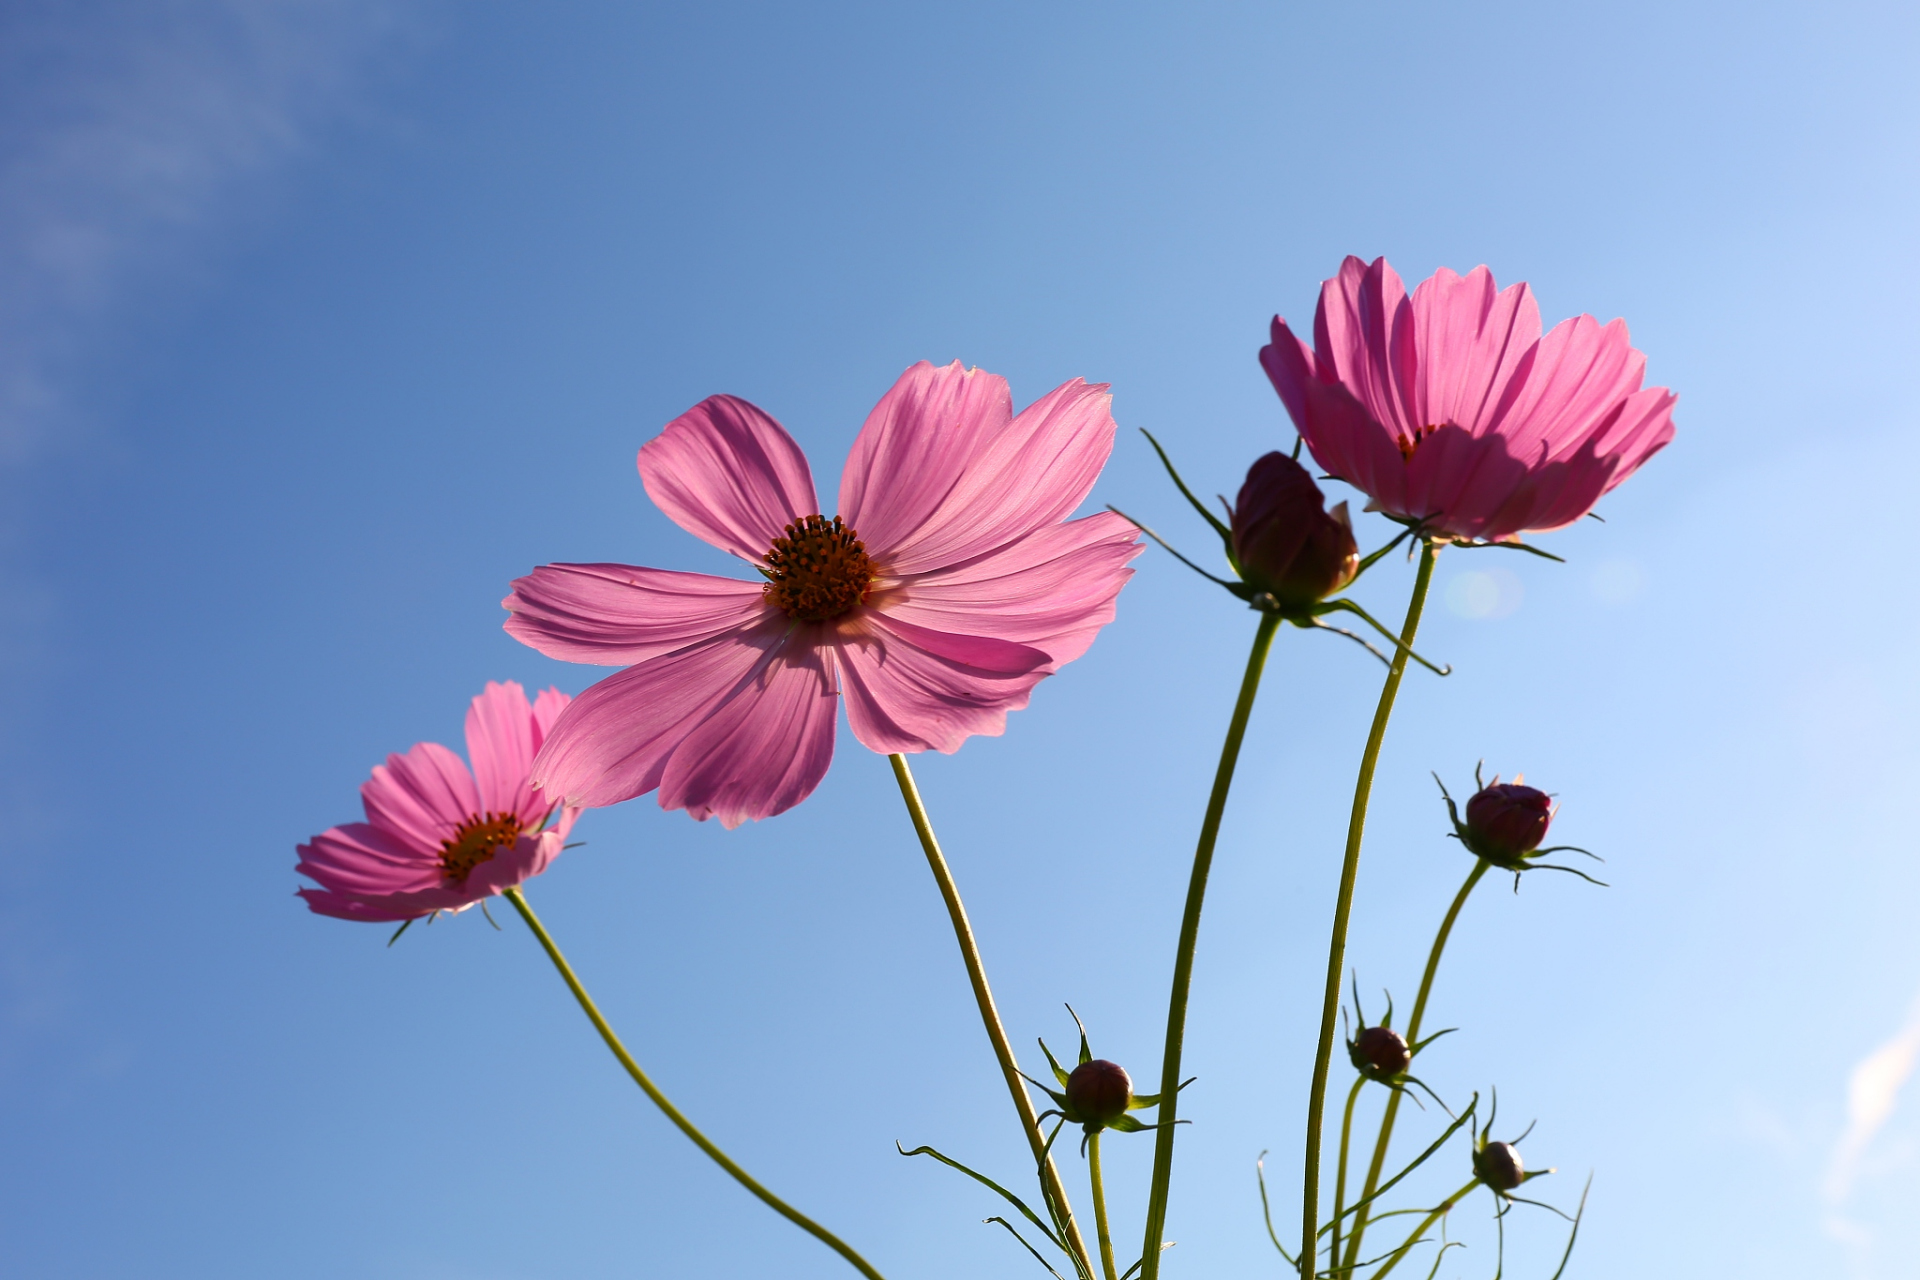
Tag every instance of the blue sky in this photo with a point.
(321, 322)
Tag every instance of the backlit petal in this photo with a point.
(726, 472)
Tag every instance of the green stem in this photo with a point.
(1413, 1037)
(672, 1112)
(1183, 954)
(1343, 908)
(1421, 1230)
(1100, 1205)
(1340, 1177)
(989, 1015)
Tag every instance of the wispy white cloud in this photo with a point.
(129, 129)
(1873, 1094)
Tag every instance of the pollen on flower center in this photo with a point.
(818, 569)
(1419, 433)
(477, 840)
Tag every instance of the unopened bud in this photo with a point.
(1498, 1165)
(1506, 821)
(1286, 541)
(1381, 1051)
(1098, 1092)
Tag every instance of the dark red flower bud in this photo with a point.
(1381, 1051)
(1507, 820)
(1098, 1092)
(1498, 1165)
(1286, 541)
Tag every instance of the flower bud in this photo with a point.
(1098, 1092)
(1506, 821)
(1498, 1165)
(1381, 1051)
(1286, 542)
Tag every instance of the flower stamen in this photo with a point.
(1407, 446)
(819, 569)
(476, 841)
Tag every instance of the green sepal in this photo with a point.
(1058, 1074)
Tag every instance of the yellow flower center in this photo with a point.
(817, 570)
(477, 840)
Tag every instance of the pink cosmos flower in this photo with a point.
(948, 586)
(1449, 408)
(438, 837)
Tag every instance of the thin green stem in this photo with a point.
(1183, 954)
(1100, 1206)
(1340, 1176)
(989, 1015)
(672, 1112)
(1343, 908)
(1413, 1037)
(1425, 1224)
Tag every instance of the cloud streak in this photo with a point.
(129, 130)
(1873, 1093)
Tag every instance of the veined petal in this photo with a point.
(617, 614)
(765, 749)
(1363, 332)
(909, 688)
(360, 859)
(501, 745)
(422, 797)
(915, 446)
(1571, 385)
(1052, 590)
(612, 744)
(1029, 476)
(728, 473)
(1470, 339)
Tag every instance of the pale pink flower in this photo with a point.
(948, 586)
(1450, 409)
(439, 837)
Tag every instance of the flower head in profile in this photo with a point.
(440, 836)
(1453, 413)
(948, 585)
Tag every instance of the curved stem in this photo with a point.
(1340, 1177)
(1421, 1230)
(1100, 1206)
(989, 1015)
(1343, 908)
(1413, 1037)
(672, 1112)
(1183, 954)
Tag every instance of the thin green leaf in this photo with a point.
(1226, 534)
(984, 1180)
(1029, 1248)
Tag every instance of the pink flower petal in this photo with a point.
(1364, 333)
(500, 745)
(617, 615)
(727, 473)
(613, 743)
(914, 447)
(421, 798)
(1052, 590)
(1343, 438)
(1573, 381)
(765, 749)
(1470, 338)
(359, 859)
(969, 480)
(909, 688)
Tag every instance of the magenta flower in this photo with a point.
(948, 586)
(1450, 410)
(438, 837)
